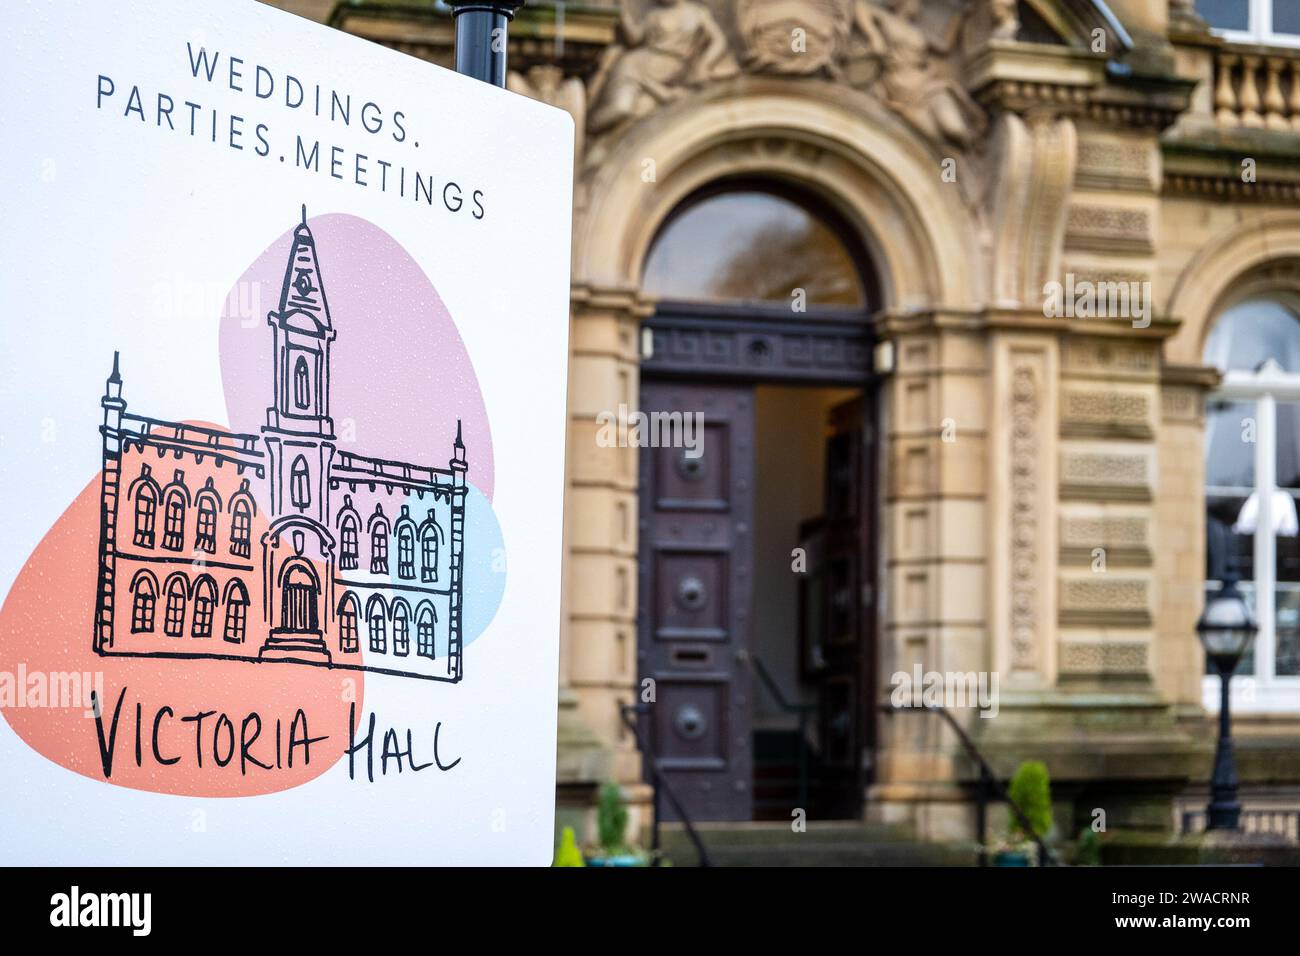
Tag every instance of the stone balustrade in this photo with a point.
(1257, 88)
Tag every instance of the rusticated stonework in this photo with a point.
(1095, 657)
(1106, 531)
(1098, 276)
(1100, 357)
(1110, 165)
(1105, 599)
(1109, 229)
(1106, 476)
(1106, 411)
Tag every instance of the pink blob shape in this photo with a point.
(400, 375)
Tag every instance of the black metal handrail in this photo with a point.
(629, 714)
(802, 710)
(988, 782)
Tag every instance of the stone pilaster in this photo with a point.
(598, 639)
(1180, 527)
(934, 507)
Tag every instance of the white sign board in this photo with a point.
(283, 372)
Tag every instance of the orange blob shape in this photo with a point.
(197, 727)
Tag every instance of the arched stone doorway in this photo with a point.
(757, 508)
(299, 599)
(850, 161)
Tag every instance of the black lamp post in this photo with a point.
(1226, 630)
(481, 37)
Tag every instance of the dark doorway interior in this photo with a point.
(756, 607)
(808, 639)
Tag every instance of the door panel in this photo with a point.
(695, 566)
(846, 715)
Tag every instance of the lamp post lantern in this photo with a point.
(1226, 629)
(481, 27)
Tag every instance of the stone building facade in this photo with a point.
(1050, 207)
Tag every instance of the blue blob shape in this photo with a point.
(484, 579)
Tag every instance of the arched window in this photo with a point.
(241, 529)
(377, 618)
(429, 551)
(753, 244)
(406, 550)
(174, 614)
(146, 507)
(205, 600)
(1252, 467)
(144, 595)
(236, 612)
(348, 643)
(174, 521)
(401, 628)
(299, 486)
(301, 383)
(379, 547)
(205, 533)
(348, 546)
(424, 631)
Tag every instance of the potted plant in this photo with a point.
(611, 830)
(1031, 791)
(1087, 851)
(567, 853)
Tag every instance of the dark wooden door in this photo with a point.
(298, 602)
(695, 580)
(845, 714)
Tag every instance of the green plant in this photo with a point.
(1087, 851)
(567, 853)
(611, 819)
(1031, 791)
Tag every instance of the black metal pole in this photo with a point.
(656, 816)
(1224, 812)
(481, 29)
(982, 791)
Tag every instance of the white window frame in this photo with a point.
(1262, 692)
(1261, 28)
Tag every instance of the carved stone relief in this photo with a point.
(1028, 201)
(1025, 411)
(674, 46)
(901, 51)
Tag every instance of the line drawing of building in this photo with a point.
(359, 565)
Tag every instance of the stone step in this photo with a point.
(295, 647)
(827, 831)
(837, 843)
(868, 854)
